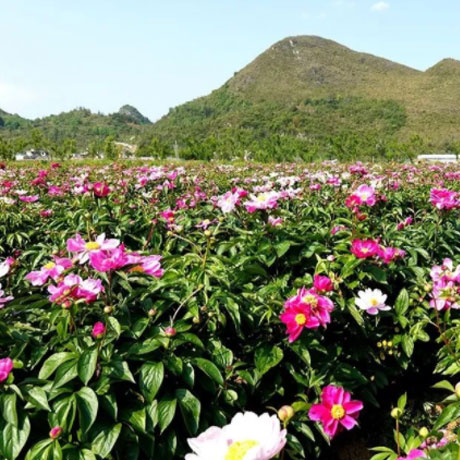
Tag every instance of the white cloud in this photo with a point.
(380, 6)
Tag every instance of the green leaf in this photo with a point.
(37, 397)
(87, 364)
(150, 379)
(53, 362)
(104, 439)
(63, 414)
(40, 450)
(136, 417)
(88, 406)
(8, 402)
(13, 438)
(266, 357)
(190, 408)
(66, 372)
(210, 369)
(166, 412)
(449, 414)
(408, 345)
(444, 385)
(402, 302)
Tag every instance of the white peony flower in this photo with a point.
(247, 437)
(372, 301)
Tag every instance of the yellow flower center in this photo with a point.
(50, 265)
(310, 300)
(300, 319)
(206, 221)
(92, 246)
(239, 449)
(364, 250)
(374, 302)
(137, 268)
(337, 412)
(262, 197)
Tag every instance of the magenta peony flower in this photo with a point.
(322, 283)
(336, 411)
(307, 310)
(363, 249)
(6, 366)
(98, 330)
(413, 454)
(100, 189)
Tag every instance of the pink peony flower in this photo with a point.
(149, 265)
(266, 200)
(104, 261)
(275, 221)
(336, 410)
(6, 366)
(83, 249)
(390, 254)
(4, 299)
(29, 198)
(5, 266)
(228, 202)
(442, 198)
(98, 330)
(50, 270)
(363, 249)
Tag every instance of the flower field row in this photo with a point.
(234, 312)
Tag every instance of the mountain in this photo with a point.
(80, 124)
(311, 88)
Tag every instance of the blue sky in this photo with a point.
(56, 55)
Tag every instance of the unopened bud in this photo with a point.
(457, 390)
(207, 233)
(286, 413)
(424, 432)
(396, 412)
(152, 312)
(108, 310)
(55, 432)
(170, 331)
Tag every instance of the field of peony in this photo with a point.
(229, 312)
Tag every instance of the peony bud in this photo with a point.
(98, 330)
(55, 432)
(286, 413)
(396, 412)
(152, 312)
(170, 331)
(108, 310)
(457, 390)
(424, 432)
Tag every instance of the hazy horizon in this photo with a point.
(57, 56)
